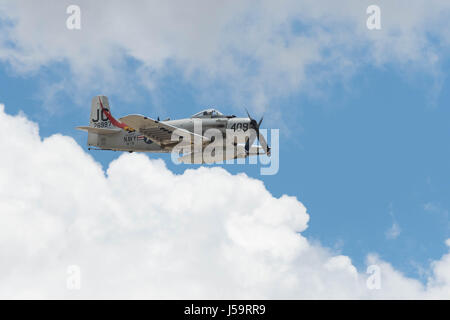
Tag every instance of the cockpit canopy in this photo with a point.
(209, 113)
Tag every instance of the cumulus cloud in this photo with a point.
(256, 51)
(140, 231)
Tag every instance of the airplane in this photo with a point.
(189, 137)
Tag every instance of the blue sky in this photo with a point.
(362, 151)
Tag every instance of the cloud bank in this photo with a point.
(253, 52)
(140, 231)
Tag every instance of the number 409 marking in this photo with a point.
(239, 126)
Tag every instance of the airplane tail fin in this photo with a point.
(99, 123)
(99, 118)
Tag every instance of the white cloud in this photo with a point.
(393, 232)
(140, 231)
(256, 51)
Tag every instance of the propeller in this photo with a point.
(255, 126)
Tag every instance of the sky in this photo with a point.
(364, 168)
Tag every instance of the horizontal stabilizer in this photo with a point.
(100, 130)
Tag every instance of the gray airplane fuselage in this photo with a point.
(136, 141)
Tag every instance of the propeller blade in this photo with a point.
(250, 140)
(248, 114)
(263, 143)
(259, 123)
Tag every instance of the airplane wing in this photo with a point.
(205, 157)
(160, 132)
